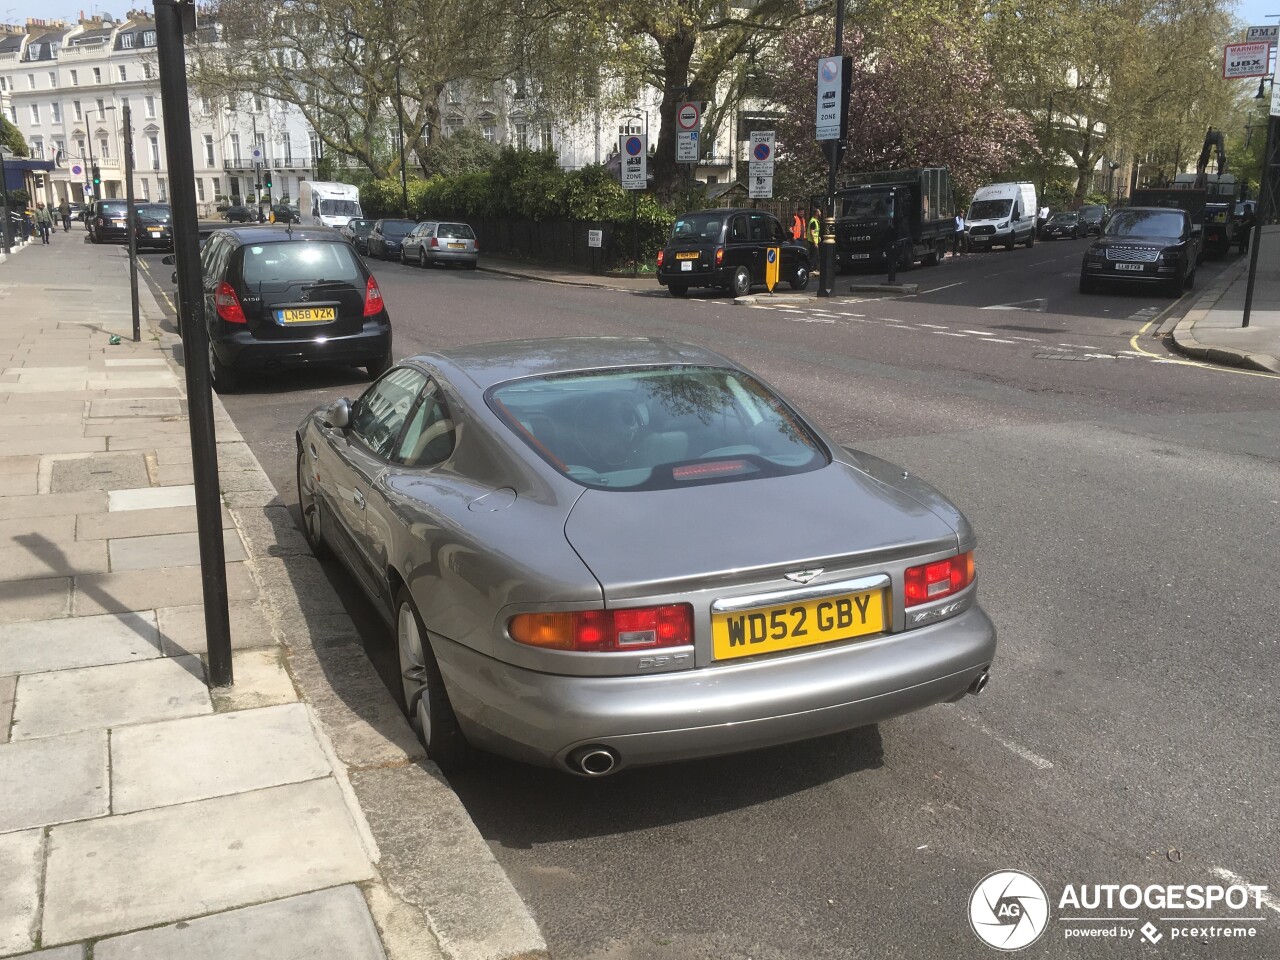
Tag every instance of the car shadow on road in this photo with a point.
(521, 806)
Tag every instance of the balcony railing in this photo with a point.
(298, 162)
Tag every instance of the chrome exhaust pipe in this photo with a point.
(593, 761)
(980, 682)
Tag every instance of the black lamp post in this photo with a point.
(1265, 201)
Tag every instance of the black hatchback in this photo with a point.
(109, 220)
(278, 297)
(153, 226)
(730, 249)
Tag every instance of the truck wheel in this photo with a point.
(800, 279)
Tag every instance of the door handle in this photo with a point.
(358, 498)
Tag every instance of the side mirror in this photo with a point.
(337, 415)
(169, 260)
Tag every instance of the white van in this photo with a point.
(328, 204)
(1002, 213)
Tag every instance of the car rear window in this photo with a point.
(656, 428)
(698, 226)
(155, 212)
(397, 228)
(300, 260)
(455, 231)
(114, 209)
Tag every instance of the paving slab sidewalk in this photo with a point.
(145, 814)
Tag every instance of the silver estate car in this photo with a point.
(435, 241)
(597, 553)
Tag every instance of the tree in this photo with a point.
(11, 139)
(464, 151)
(896, 117)
(355, 69)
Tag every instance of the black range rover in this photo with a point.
(1153, 245)
(729, 249)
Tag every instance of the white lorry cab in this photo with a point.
(1002, 214)
(328, 204)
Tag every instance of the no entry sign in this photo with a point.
(689, 116)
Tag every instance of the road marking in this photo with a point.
(1268, 901)
(1040, 763)
(1160, 358)
(995, 340)
(933, 326)
(1078, 346)
(946, 287)
(979, 333)
(948, 333)
(1042, 305)
(1025, 339)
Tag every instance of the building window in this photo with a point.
(75, 78)
(453, 92)
(102, 109)
(13, 114)
(146, 189)
(200, 189)
(146, 70)
(37, 149)
(522, 136)
(124, 74)
(546, 141)
(260, 144)
(204, 105)
(80, 146)
(35, 114)
(53, 80)
(76, 111)
(104, 148)
(59, 146)
(126, 41)
(154, 141)
(235, 147)
(217, 187)
(148, 38)
(55, 112)
(314, 143)
(452, 125)
(257, 104)
(208, 150)
(97, 74)
(162, 191)
(150, 106)
(31, 81)
(490, 131)
(288, 149)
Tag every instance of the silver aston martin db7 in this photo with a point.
(597, 553)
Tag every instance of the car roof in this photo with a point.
(723, 212)
(487, 364)
(276, 233)
(1153, 210)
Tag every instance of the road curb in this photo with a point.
(544, 278)
(439, 882)
(1185, 341)
(908, 289)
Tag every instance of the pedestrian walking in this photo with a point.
(957, 238)
(797, 224)
(44, 222)
(64, 211)
(815, 232)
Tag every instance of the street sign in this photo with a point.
(829, 87)
(1243, 60)
(689, 116)
(88, 189)
(760, 188)
(635, 161)
(76, 170)
(772, 260)
(1267, 34)
(761, 162)
(595, 238)
(686, 146)
(256, 153)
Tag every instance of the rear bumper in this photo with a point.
(541, 718)
(450, 256)
(243, 351)
(699, 276)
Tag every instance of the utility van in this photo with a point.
(328, 204)
(1002, 214)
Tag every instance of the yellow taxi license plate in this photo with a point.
(687, 256)
(308, 315)
(746, 633)
(457, 246)
(155, 230)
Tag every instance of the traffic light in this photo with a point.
(97, 176)
(268, 180)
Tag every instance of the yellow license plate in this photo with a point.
(308, 315)
(746, 633)
(155, 230)
(687, 256)
(457, 246)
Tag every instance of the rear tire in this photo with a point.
(380, 366)
(677, 289)
(225, 379)
(422, 258)
(426, 699)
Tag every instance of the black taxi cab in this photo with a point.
(730, 249)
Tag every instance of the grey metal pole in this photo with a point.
(133, 223)
(4, 200)
(195, 336)
(827, 242)
(1264, 202)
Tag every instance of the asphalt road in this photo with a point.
(1127, 505)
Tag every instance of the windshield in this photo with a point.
(990, 209)
(1091, 213)
(397, 228)
(157, 214)
(455, 231)
(655, 428)
(340, 208)
(871, 204)
(1064, 218)
(698, 226)
(294, 260)
(1146, 223)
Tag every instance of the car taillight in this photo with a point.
(475, 245)
(372, 298)
(434, 243)
(588, 631)
(933, 581)
(660, 253)
(228, 304)
(719, 256)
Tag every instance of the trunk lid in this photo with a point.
(296, 291)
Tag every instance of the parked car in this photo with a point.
(441, 242)
(1093, 217)
(109, 221)
(386, 236)
(728, 248)
(1150, 245)
(77, 211)
(1065, 224)
(283, 213)
(544, 525)
(153, 226)
(241, 214)
(357, 232)
(278, 298)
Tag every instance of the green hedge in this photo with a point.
(529, 185)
